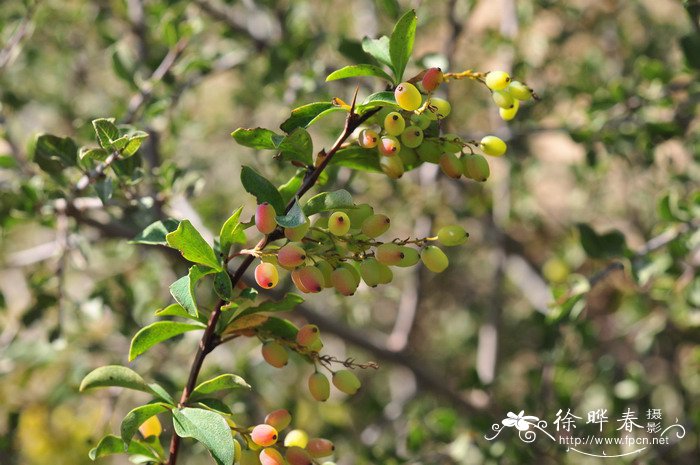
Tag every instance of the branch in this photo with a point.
(22, 30)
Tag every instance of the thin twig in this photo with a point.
(22, 30)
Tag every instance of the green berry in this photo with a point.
(407, 96)
(385, 274)
(326, 270)
(430, 150)
(265, 218)
(451, 165)
(279, 419)
(354, 271)
(476, 167)
(266, 275)
(298, 456)
(264, 435)
(388, 146)
(412, 136)
(394, 123)
(296, 438)
(308, 335)
(409, 157)
(339, 223)
(434, 259)
(503, 99)
(452, 235)
(319, 387)
(432, 79)
(318, 447)
(275, 354)
(368, 139)
(442, 107)
(375, 225)
(270, 456)
(346, 381)
(392, 166)
(297, 233)
(497, 80)
(422, 121)
(410, 257)
(508, 114)
(369, 270)
(291, 255)
(344, 281)
(389, 254)
(519, 91)
(492, 145)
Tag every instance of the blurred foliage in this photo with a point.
(579, 287)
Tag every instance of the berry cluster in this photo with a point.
(411, 134)
(341, 250)
(264, 446)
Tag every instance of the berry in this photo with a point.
(375, 225)
(368, 139)
(412, 137)
(432, 79)
(265, 218)
(519, 90)
(508, 114)
(392, 166)
(441, 107)
(344, 281)
(429, 151)
(308, 335)
(296, 234)
(275, 354)
(326, 270)
(409, 157)
(237, 451)
(422, 121)
(451, 165)
(266, 275)
(497, 80)
(339, 224)
(503, 99)
(492, 145)
(358, 214)
(476, 167)
(312, 278)
(452, 235)
(434, 259)
(385, 274)
(354, 271)
(296, 438)
(318, 447)
(249, 457)
(346, 381)
(451, 143)
(264, 435)
(319, 387)
(298, 456)
(407, 96)
(410, 257)
(278, 419)
(291, 255)
(271, 456)
(389, 253)
(394, 123)
(296, 279)
(369, 270)
(388, 146)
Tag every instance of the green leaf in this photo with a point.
(232, 231)
(192, 245)
(104, 189)
(261, 188)
(357, 158)
(258, 138)
(359, 70)
(222, 285)
(294, 218)
(378, 49)
(303, 115)
(179, 311)
(135, 418)
(378, 99)
(7, 162)
(122, 70)
(608, 245)
(279, 328)
(215, 405)
(288, 302)
(53, 154)
(326, 201)
(157, 332)
(290, 188)
(691, 46)
(134, 141)
(182, 290)
(155, 233)
(114, 375)
(207, 427)
(220, 383)
(161, 393)
(106, 132)
(297, 146)
(112, 444)
(98, 154)
(401, 43)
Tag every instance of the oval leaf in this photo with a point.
(220, 383)
(134, 419)
(261, 188)
(303, 115)
(207, 427)
(326, 201)
(112, 444)
(183, 289)
(192, 245)
(401, 43)
(114, 375)
(288, 302)
(359, 70)
(294, 218)
(231, 231)
(378, 49)
(155, 233)
(258, 138)
(158, 332)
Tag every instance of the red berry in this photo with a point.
(291, 255)
(275, 354)
(266, 275)
(318, 447)
(264, 435)
(278, 419)
(271, 456)
(265, 218)
(432, 79)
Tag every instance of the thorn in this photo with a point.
(354, 99)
